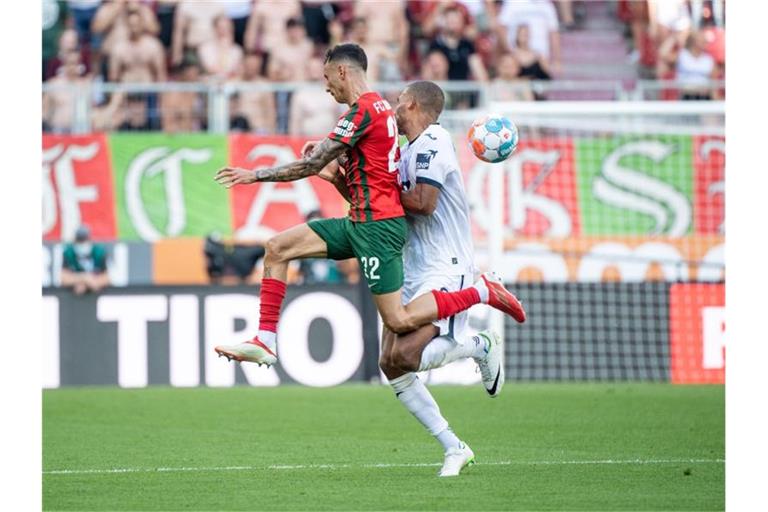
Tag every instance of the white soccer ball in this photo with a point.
(492, 138)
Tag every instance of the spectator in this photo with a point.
(382, 61)
(694, 67)
(110, 26)
(67, 43)
(55, 15)
(541, 18)
(257, 106)
(532, 64)
(313, 110)
(288, 62)
(230, 262)
(59, 103)
(183, 111)
(565, 12)
(265, 31)
(669, 18)
(166, 14)
(433, 17)
(387, 27)
(237, 121)
(435, 67)
(220, 57)
(110, 114)
(83, 12)
(317, 15)
(192, 27)
(139, 57)
(84, 267)
(238, 11)
(509, 85)
(463, 62)
(136, 115)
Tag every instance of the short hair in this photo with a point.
(348, 52)
(429, 96)
(294, 22)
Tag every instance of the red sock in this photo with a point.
(272, 295)
(450, 303)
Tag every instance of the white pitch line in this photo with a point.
(379, 465)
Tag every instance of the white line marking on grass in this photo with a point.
(372, 465)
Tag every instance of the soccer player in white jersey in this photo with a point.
(438, 255)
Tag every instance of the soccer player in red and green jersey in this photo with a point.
(375, 230)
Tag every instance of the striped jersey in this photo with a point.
(369, 129)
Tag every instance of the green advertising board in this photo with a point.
(164, 185)
(635, 186)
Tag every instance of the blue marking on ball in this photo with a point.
(493, 125)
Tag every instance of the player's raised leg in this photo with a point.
(439, 304)
(297, 242)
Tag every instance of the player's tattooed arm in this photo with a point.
(310, 165)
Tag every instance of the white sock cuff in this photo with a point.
(403, 382)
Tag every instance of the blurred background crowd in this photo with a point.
(502, 45)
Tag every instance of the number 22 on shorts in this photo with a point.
(370, 266)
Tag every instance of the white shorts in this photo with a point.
(453, 326)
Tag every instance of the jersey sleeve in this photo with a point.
(432, 164)
(352, 126)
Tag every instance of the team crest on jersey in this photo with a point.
(423, 159)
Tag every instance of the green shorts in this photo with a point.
(377, 245)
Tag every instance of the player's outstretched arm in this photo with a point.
(310, 165)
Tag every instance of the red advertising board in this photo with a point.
(262, 208)
(77, 187)
(539, 188)
(697, 333)
(709, 184)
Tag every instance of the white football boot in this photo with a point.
(253, 351)
(457, 459)
(492, 364)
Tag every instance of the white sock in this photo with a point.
(419, 401)
(268, 338)
(482, 289)
(443, 350)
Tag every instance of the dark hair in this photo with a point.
(349, 52)
(429, 96)
(294, 22)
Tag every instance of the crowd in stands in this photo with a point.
(499, 42)
(681, 40)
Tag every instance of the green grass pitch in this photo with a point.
(538, 447)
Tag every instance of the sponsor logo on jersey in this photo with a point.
(423, 159)
(344, 128)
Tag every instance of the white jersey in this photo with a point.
(440, 243)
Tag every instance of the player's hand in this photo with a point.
(330, 171)
(230, 176)
(308, 146)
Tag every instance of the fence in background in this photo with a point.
(212, 106)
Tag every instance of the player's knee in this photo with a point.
(400, 323)
(403, 360)
(275, 249)
(386, 363)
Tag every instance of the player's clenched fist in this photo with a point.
(229, 176)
